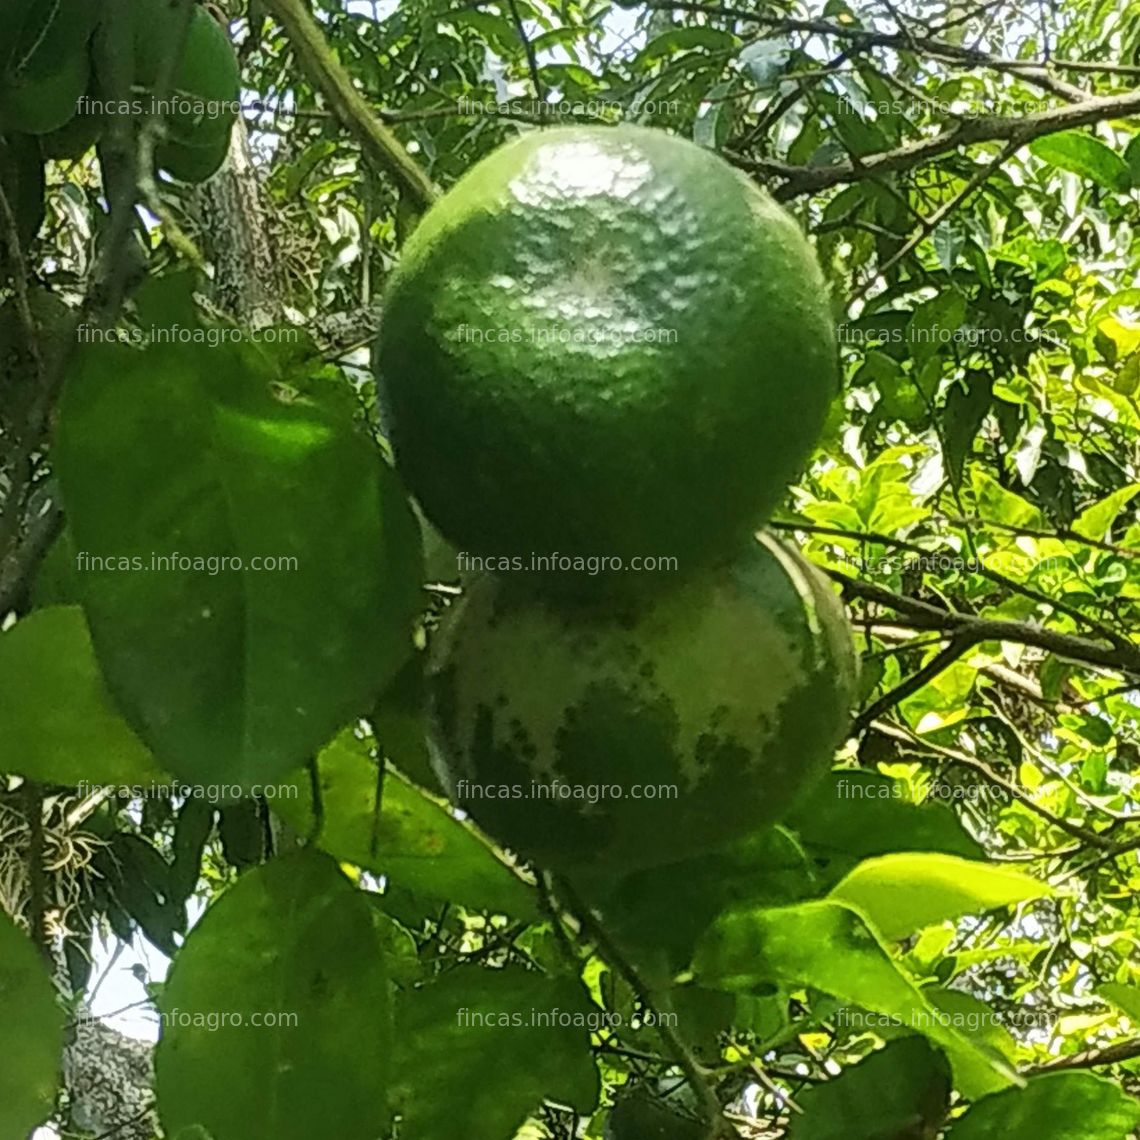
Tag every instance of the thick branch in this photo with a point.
(1015, 130)
(1092, 1058)
(922, 615)
(325, 73)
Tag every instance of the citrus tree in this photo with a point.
(572, 569)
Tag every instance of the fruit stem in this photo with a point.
(712, 1116)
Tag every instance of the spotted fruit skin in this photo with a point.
(605, 341)
(733, 689)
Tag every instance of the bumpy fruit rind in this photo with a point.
(732, 688)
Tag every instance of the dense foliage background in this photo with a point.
(961, 893)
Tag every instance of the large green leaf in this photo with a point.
(198, 454)
(852, 815)
(291, 960)
(31, 1035)
(903, 893)
(416, 842)
(1082, 154)
(60, 725)
(829, 946)
(902, 1090)
(485, 1047)
(1054, 1106)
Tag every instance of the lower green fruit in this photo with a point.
(639, 1115)
(75, 138)
(189, 163)
(640, 732)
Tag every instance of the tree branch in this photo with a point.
(1091, 1058)
(960, 643)
(1014, 130)
(325, 73)
(1090, 838)
(711, 1111)
(923, 615)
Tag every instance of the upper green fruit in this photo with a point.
(605, 341)
(732, 691)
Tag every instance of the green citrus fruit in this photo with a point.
(639, 1115)
(156, 28)
(637, 732)
(208, 81)
(207, 84)
(605, 341)
(190, 163)
(45, 64)
(39, 106)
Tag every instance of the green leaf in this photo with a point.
(765, 61)
(933, 325)
(976, 1020)
(1084, 155)
(139, 881)
(680, 39)
(963, 415)
(230, 670)
(486, 1047)
(31, 1034)
(1057, 1106)
(659, 913)
(192, 830)
(1128, 377)
(1132, 157)
(828, 946)
(852, 815)
(1095, 522)
(902, 1090)
(55, 583)
(903, 893)
(1125, 998)
(292, 943)
(999, 505)
(712, 123)
(399, 723)
(417, 844)
(60, 725)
